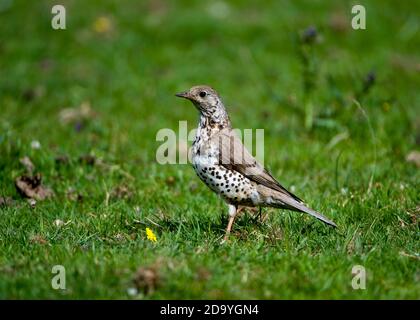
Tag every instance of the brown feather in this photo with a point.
(280, 200)
(234, 156)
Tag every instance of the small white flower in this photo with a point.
(35, 144)
(344, 190)
(58, 222)
(292, 188)
(132, 292)
(32, 202)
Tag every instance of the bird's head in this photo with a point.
(207, 101)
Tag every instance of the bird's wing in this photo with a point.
(234, 156)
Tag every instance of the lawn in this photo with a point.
(340, 112)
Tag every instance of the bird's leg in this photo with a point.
(240, 209)
(259, 214)
(232, 215)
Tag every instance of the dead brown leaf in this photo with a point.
(122, 192)
(265, 115)
(351, 245)
(33, 93)
(73, 195)
(203, 274)
(406, 63)
(414, 215)
(276, 234)
(87, 159)
(6, 202)
(146, 279)
(77, 115)
(62, 160)
(38, 239)
(27, 163)
(31, 187)
(338, 22)
(158, 7)
(119, 237)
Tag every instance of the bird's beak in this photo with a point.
(185, 95)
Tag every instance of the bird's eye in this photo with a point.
(202, 94)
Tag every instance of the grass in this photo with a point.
(340, 114)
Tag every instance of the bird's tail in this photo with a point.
(298, 206)
(285, 201)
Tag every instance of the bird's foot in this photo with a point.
(232, 214)
(225, 238)
(259, 216)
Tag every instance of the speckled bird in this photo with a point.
(223, 163)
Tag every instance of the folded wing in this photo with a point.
(234, 156)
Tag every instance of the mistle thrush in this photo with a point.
(223, 163)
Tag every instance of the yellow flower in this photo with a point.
(102, 25)
(150, 235)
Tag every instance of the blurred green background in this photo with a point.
(340, 112)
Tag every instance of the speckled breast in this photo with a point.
(231, 185)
